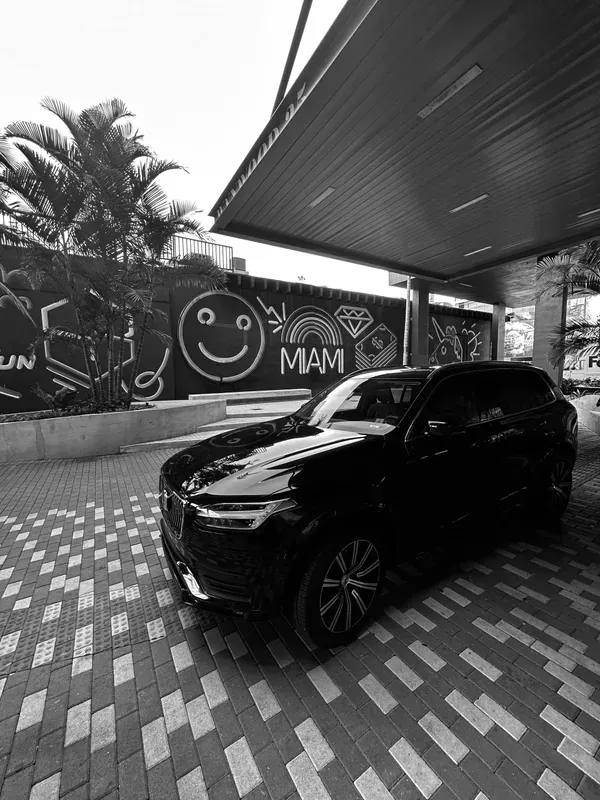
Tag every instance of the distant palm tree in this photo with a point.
(573, 271)
(95, 226)
(158, 266)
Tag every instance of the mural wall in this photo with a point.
(457, 338)
(54, 366)
(260, 334)
(263, 334)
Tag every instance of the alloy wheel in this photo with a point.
(349, 586)
(561, 481)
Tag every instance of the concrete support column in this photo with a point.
(420, 323)
(498, 328)
(550, 313)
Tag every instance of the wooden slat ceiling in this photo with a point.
(526, 132)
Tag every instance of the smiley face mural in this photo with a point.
(221, 336)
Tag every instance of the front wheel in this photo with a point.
(338, 588)
(550, 495)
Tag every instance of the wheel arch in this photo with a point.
(334, 522)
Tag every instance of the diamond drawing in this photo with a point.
(354, 319)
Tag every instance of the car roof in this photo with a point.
(424, 373)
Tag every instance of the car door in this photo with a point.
(518, 405)
(450, 475)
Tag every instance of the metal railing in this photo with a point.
(221, 254)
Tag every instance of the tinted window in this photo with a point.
(456, 401)
(513, 392)
(362, 403)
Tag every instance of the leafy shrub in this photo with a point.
(87, 406)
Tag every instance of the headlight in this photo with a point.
(239, 516)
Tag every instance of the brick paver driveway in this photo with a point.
(482, 682)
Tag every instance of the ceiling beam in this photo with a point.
(266, 236)
(552, 247)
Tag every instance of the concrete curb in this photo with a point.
(588, 413)
(91, 435)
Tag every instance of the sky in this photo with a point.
(201, 78)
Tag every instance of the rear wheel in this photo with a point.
(551, 493)
(338, 589)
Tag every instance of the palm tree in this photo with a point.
(573, 271)
(88, 208)
(157, 265)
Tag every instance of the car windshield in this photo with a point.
(362, 403)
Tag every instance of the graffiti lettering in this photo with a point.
(146, 379)
(19, 361)
(292, 364)
(5, 299)
(304, 360)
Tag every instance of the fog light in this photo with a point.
(192, 584)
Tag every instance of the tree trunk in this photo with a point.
(98, 368)
(405, 348)
(121, 353)
(111, 394)
(87, 357)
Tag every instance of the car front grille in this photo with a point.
(172, 506)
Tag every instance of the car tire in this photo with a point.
(338, 588)
(550, 495)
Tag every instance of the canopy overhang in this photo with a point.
(405, 115)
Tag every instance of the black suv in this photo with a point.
(310, 508)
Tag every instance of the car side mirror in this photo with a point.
(443, 429)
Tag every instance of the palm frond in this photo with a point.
(17, 303)
(147, 172)
(68, 117)
(179, 209)
(574, 270)
(108, 112)
(48, 139)
(137, 299)
(163, 337)
(194, 271)
(10, 234)
(578, 337)
(57, 333)
(7, 154)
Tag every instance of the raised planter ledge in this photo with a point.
(588, 413)
(91, 435)
(266, 396)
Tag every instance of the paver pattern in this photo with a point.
(479, 681)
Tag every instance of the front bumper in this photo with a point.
(198, 591)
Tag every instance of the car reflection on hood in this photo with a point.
(278, 445)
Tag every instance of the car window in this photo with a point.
(455, 401)
(364, 404)
(512, 392)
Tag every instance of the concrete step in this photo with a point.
(265, 396)
(247, 414)
(178, 443)
(236, 422)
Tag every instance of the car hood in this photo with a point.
(258, 459)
